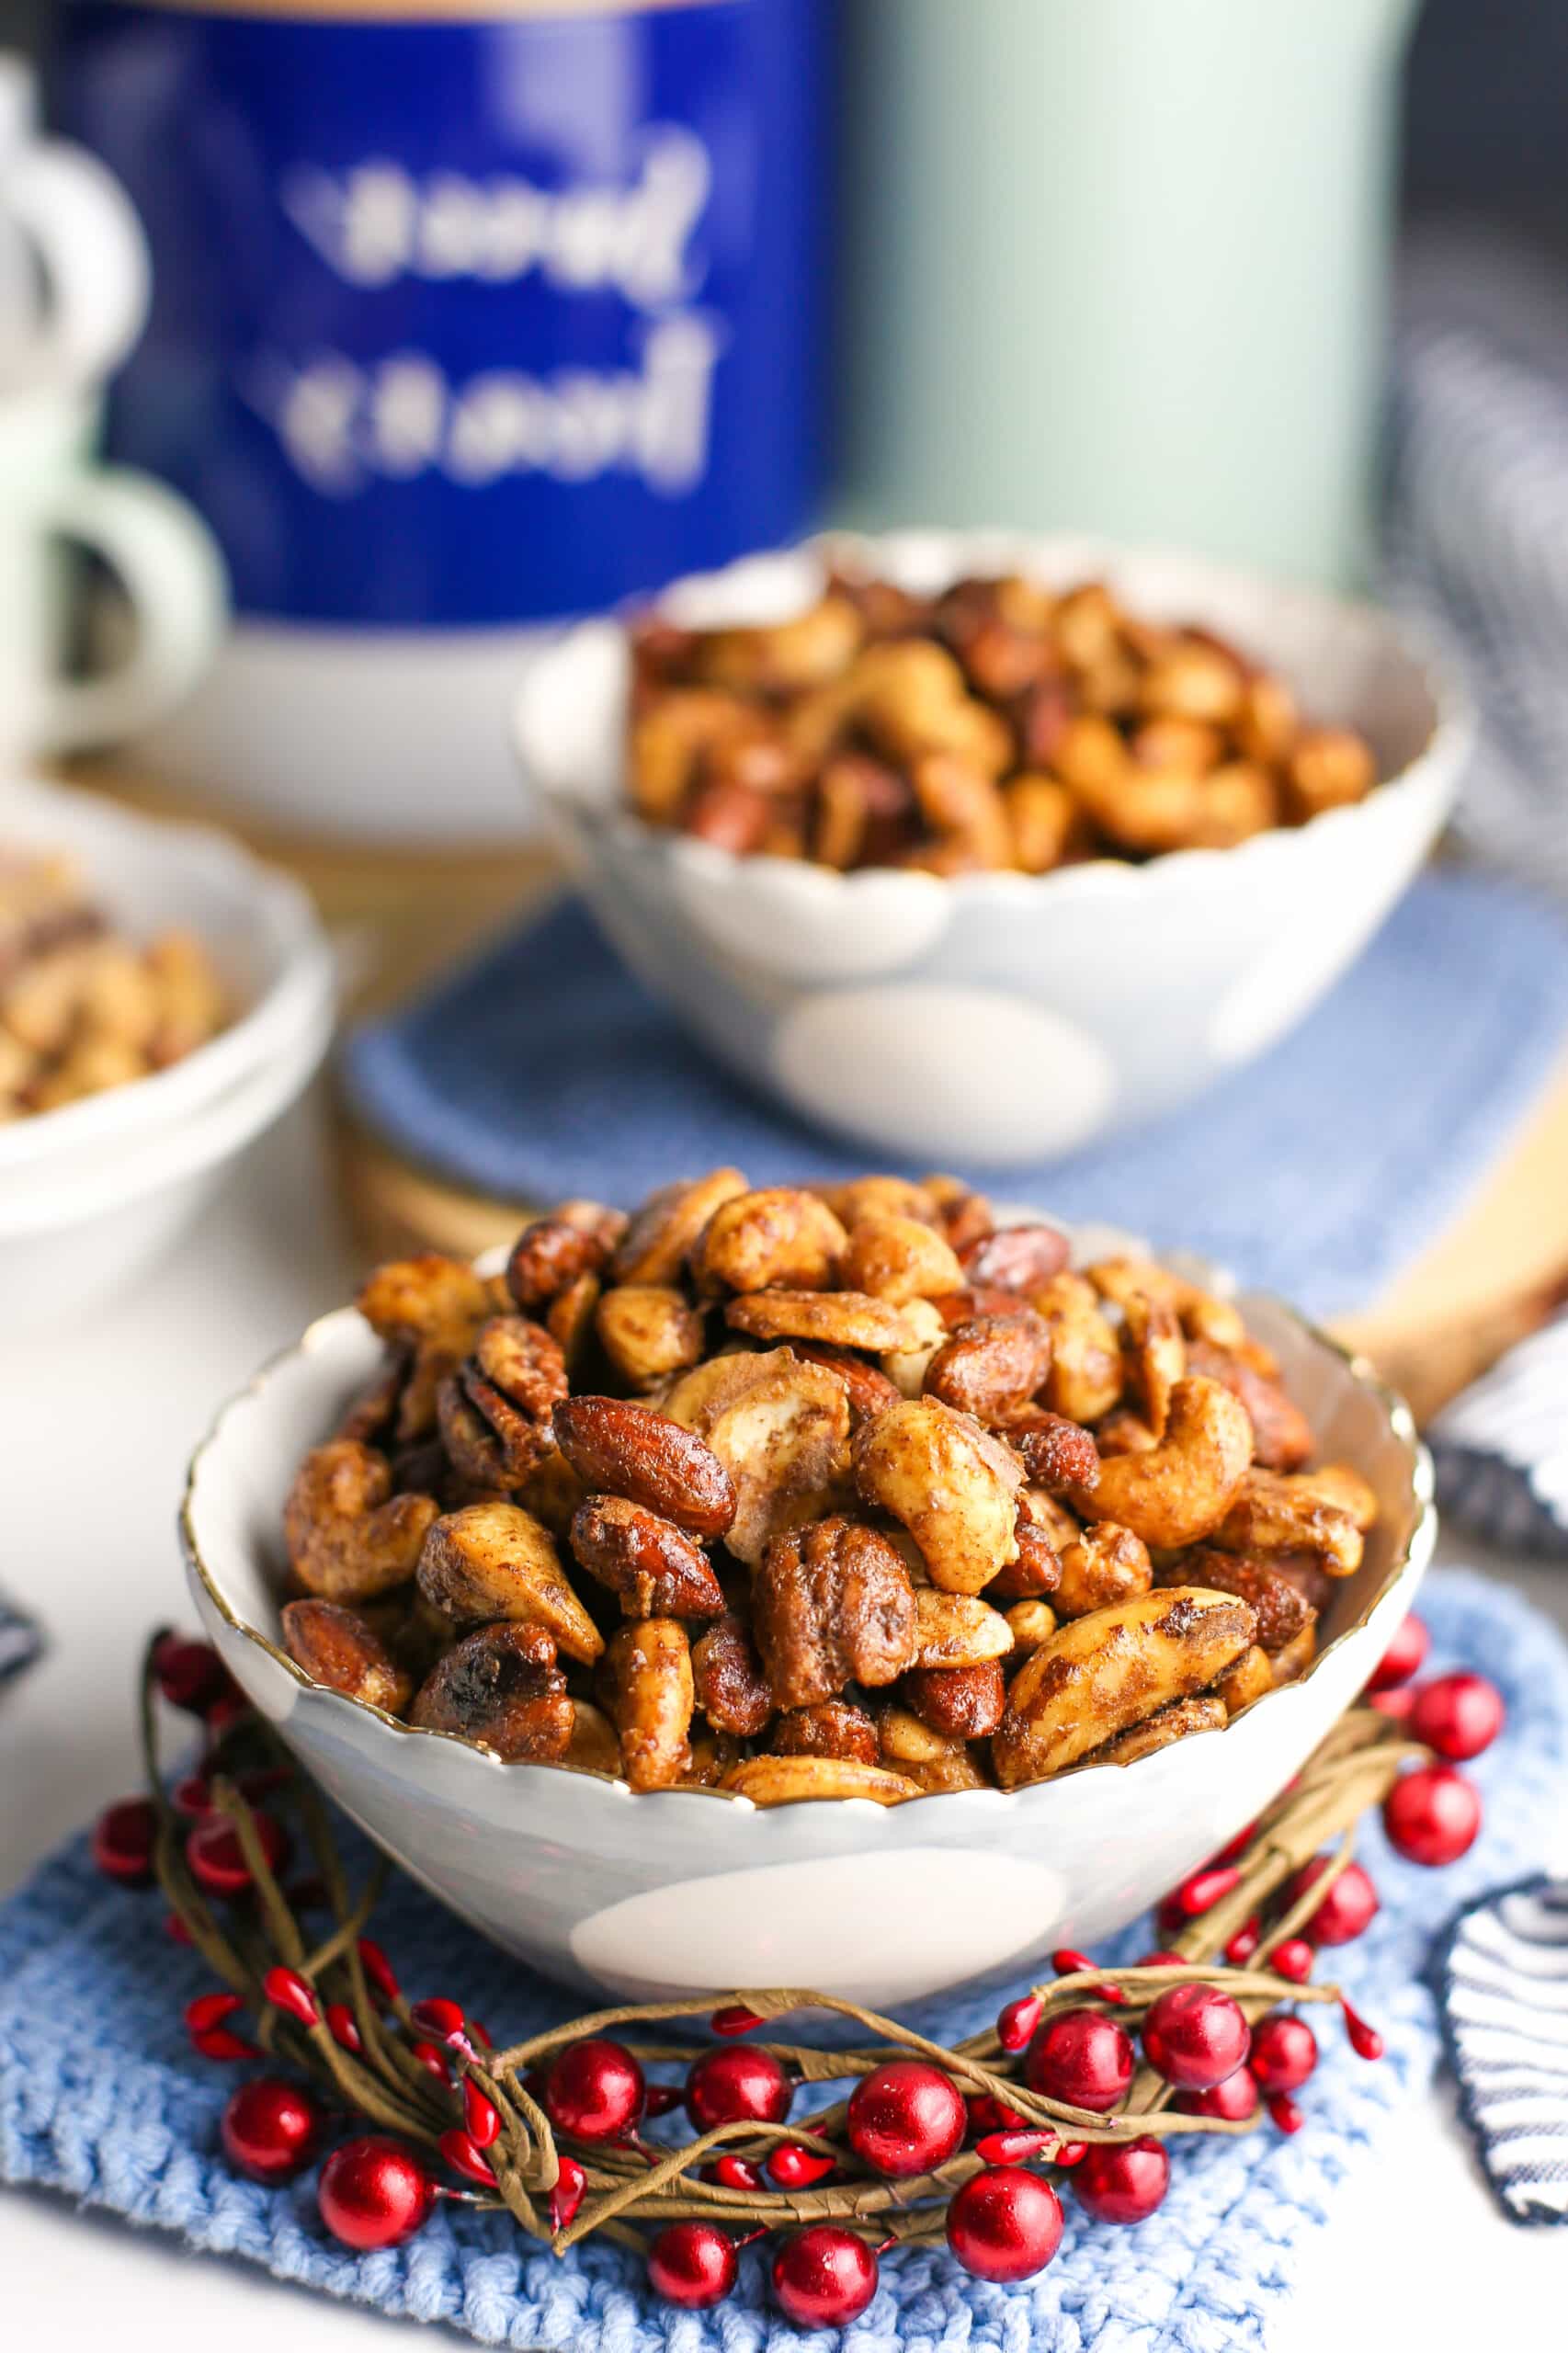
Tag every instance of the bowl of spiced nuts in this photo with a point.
(987, 847)
(162, 997)
(852, 1588)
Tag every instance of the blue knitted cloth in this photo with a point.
(543, 1070)
(100, 2096)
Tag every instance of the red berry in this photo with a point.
(1365, 2040)
(660, 2098)
(289, 1992)
(905, 2118)
(342, 2027)
(1082, 2058)
(724, 2086)
(271, 2129)
(1205, 1889)
(1068, 1963)
(1284, 2053)
(692, 2265)
(792, 2167)
(1346, 1911)
(1071, 2152)
(1005, 2225)
(217, 1860)
(480, 2115)
(1017, 2021)
(1432, 1815)
(734, 2018)
(823, 2277)
(594, 2090)
(434, 2060)
(567, 2194)
(1165, 1960)
(1395, 1704)
(190, 1675)
(373, 2193)
(1196, 2036)
(378, 1970)
(1234, 2099)
(1122, 2181)
(205, 2022)
(175, 1928)
(1283, 2112)
(192, 1796)
(1245, 1942)
(1403, 1657)
(463, 2153)
(1458, 1715)
(733, 2173)
(1293, 1960)
(123, 1838)
(437, 2017)
(1013, 2148)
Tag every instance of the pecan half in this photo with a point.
(831, 1604)
(495, 1411)
(553, 1253)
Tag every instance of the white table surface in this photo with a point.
(96, 1427)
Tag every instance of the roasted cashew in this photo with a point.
(349, 1536)
(1181, 1489)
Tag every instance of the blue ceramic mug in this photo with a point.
(463, 321)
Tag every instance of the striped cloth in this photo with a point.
(1504, 1979)
(1501, 1449)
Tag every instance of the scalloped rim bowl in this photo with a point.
(699, 1889)
(996, 1019)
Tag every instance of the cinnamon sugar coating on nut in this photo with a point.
(502, 1689)
(337, 1647)
(349, 1536)
(625, 1450)
(831, 1604)
(656, 1568)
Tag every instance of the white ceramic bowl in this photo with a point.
(258, 926)
(93, 1193)
(696, 1890)
(995, 1019)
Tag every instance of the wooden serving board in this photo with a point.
(401, 914)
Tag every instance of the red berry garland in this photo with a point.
(594, 2090)
(374, 2193)
(1236, 2100)
(271, 2129)
(1432, 1815)
(1457, 1715)
(1122, 2181)
(1195, 2036)
(692, 2265)
(906, 2117)
(725, 2086)
(1284, 2053)
(1082, 2058)
(824, 2277)
(1347, 1910)
(1005, 2225)
(1403, 1657)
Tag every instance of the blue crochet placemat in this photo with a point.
(100, 2096)
(543, 1070)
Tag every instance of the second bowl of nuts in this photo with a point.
(836, 1587)
(985, 846)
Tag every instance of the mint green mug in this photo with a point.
(1121, 265)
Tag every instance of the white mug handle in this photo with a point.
(86, 233)
(172, 574)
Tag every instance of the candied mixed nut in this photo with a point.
(838, 1493)
(83, 1009)
(999, 724)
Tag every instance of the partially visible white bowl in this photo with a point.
(93, 1193)
(697, 1891)
(1001, 1018)
(150, 875)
